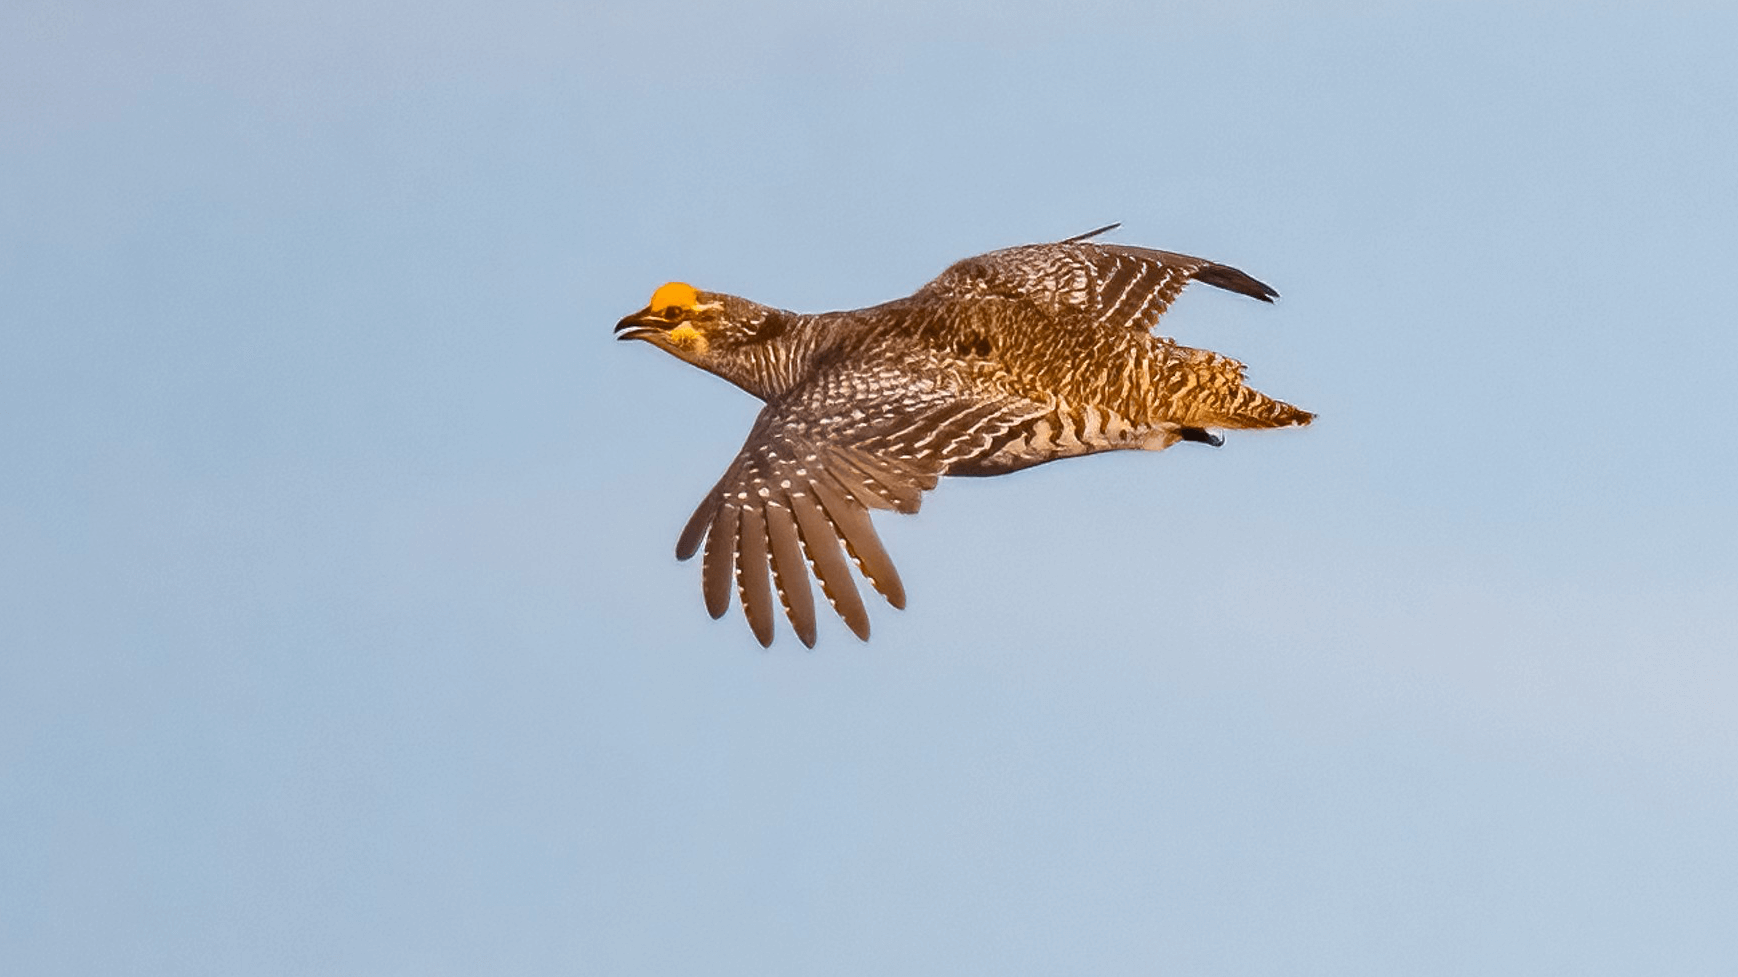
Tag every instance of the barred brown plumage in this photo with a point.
(1006, 360)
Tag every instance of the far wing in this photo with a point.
(1096, 283)
(814, 464)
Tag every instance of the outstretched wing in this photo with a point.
(814, 464)
(1081, 281)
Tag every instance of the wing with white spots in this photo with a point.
(797, 497)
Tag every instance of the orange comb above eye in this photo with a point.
(674, 295)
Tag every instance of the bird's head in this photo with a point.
(720, 333)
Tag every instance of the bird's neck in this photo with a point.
(774, 365)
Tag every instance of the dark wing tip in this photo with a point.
(1089, 235)
(698, 523)
(1232, 280)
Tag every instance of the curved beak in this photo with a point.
(641, 325)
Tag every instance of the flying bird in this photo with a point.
(1007, 360)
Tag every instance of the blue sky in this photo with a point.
(342, 630)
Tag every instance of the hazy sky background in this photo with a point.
(342, 632)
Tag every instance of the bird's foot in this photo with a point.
(1201, 435)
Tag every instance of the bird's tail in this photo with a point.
(1250, 408)
(1224, 401)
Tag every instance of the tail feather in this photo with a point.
(1211, 393)
(1250, 408)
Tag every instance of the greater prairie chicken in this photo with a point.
(1007, 360)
